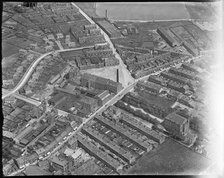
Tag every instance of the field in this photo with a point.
(143, 11)
(170, 158)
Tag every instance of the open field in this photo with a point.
(170, 158)
(143, 11)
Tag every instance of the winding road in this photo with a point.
(26, 76)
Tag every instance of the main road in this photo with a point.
(125, 71)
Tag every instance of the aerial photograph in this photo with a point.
(112, 88)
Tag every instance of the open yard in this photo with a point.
(170, 158)
(106, 72)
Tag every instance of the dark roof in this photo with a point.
(175, 118)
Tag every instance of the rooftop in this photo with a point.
(175, 118)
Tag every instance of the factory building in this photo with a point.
(176, 125)
(163, 33)
(100, 83)
(149, 86)
(191, 49)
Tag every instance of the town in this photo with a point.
(83, 95)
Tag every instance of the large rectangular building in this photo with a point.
(89, 104)
(176, 125)
(163, 33)
(149, 86)
(100, 83)
(109, 28)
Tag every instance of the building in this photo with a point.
(163, 33)
(110, 61)
(114, 148)
(176, 86)
(149, 86)
(90, 26)
(103, 97)
(191, 49)
(183, 73)
(89, 104)
(54, 79)
(93, 81)
(183, 99)
(71, 44)
(119, 129)
(156, 79)
(99, 53)
(176, 125)
(135, 124)
(175, 78)
(99, 154)
(91, 39)
(50, 37)
(60, 162)
(27, 159)
(191, 67)
(109, 28)
(60, 35)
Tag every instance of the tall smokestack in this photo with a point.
(106, 13)
(118, 75)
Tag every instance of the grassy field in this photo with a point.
(170, 158)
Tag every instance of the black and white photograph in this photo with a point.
(112, 88)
